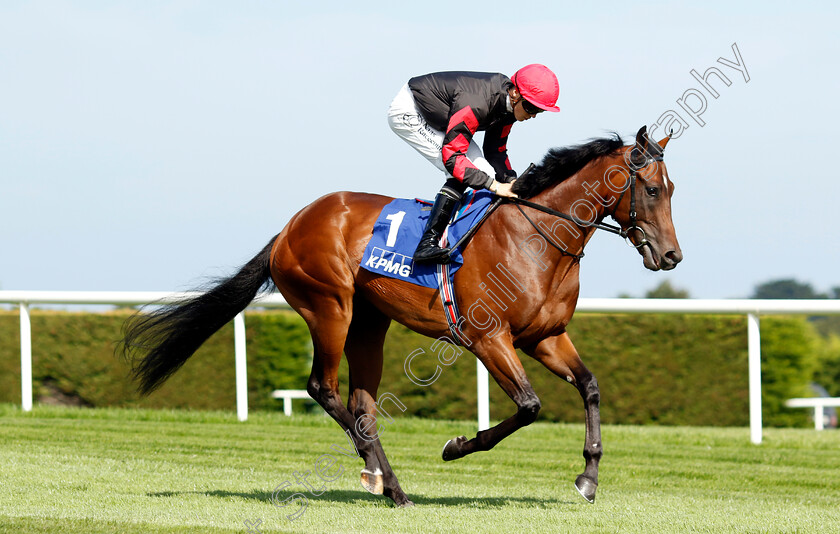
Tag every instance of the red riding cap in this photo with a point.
(538, 85)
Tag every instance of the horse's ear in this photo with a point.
(642, 139)
(664, 142)
(638, 153)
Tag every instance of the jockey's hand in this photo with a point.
(503, 190)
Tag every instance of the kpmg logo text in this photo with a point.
(389, 262)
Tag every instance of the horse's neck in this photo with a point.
(550, 276)
(583, 195)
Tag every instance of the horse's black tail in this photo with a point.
(158, 343)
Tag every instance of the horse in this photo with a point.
(314, 262)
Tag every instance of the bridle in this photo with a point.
(625, 234)
(634, 172)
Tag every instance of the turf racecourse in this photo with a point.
(143, 471)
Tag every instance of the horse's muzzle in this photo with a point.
(670, 259)
(655, 261)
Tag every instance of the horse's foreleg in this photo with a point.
(559, 355)
(502, 362)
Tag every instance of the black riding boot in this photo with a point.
(428, 250)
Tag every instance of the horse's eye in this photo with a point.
(652, 191)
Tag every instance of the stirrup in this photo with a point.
(432, 254)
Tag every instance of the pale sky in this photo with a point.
(149, 145)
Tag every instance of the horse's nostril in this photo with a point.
(674, 256)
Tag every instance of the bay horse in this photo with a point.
(315, 264)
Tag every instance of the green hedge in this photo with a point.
(74, 352)
(663, 369)
(828, 369)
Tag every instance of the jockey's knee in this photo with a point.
(456, 186)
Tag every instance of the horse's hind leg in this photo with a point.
(364, 355)
(328, 324)
(314, 265)
(559, 355)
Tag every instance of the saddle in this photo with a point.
(398, 230)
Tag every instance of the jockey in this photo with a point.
(438, 114)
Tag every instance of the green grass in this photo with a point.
(145, 471)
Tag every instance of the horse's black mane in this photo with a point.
(560, 163)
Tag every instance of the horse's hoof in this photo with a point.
(407, 504)
(586, 487)
(372, 481)
(452, 449)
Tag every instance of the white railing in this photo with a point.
(818, 404)
(287, 395)
(751, 308)
(25, 298)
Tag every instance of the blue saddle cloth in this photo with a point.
(399, 228)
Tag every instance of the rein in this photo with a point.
(617, 230)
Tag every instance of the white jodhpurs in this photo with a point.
(409, 124)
